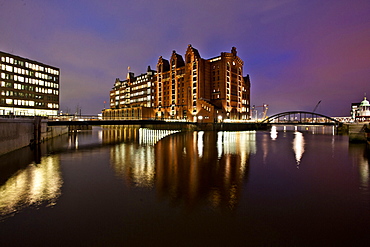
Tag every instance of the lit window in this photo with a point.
(9, 68)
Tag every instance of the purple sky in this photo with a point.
(296, 52)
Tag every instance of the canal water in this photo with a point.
(290, 186)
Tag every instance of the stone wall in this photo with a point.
(16, 133)
(356, 132)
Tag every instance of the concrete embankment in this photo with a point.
(16, 133)
(356, 132)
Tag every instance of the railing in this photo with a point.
(300, 117)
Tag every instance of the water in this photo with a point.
(129, 187)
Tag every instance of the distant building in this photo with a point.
(27, 87)
(361, 111)
(133, 98)
(194, 89)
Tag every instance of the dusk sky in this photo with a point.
(297, 52)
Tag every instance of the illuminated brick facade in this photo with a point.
(192, 89)
(27, 87)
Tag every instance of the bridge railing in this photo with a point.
(300, 117)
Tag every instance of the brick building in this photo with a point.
(27, 87)
(191, 89)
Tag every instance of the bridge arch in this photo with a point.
(301, 117)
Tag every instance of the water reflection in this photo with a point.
(361, 157)
(312, 129)
(298, 141)
(36, 184)
(298, 147)
(134, 157)
(190, 167)
(130, 134)
(134, 163)
(273, 133)
(151, 137)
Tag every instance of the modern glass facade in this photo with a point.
(27, 87)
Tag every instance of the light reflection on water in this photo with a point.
(132, 187)
(214, 172)
(32, 186)
(361, 157)
(298, 146)
(182, 167)
(135, 161)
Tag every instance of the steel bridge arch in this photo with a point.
(301, 117)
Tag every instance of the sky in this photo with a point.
(296, 52)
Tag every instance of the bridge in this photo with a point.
(301, 117)
(162, 124)
(286, 118)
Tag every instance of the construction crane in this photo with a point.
(318, 103)
(264, 110)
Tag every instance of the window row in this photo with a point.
(6, 76)
(29, 88)
(30, 65)
(26, 72)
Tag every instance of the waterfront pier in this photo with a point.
(16, 133)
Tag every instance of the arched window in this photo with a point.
(228, 66)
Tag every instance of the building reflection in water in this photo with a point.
(298, 146)
(33, 185)
(129, 134)
(360, 154)
(203, 167)
(151, 137)
(133, 158)
(186, 168)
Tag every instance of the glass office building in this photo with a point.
(27, 87)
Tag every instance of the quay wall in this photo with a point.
(356, 132)
(17, 133)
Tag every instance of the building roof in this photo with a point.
(365, 102)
